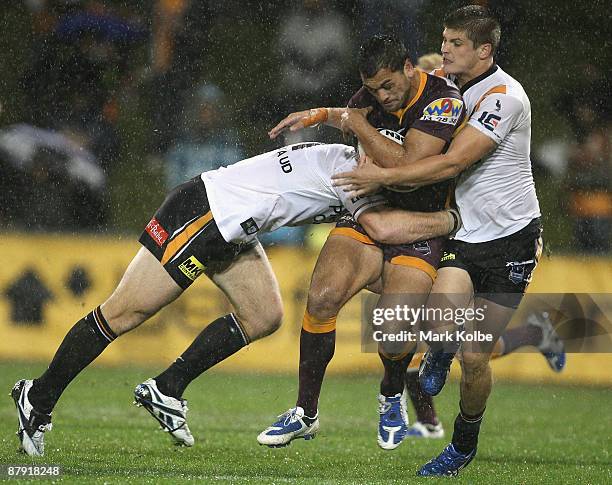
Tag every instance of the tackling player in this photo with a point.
(493, 255)
(422, 112)
(538, 331)
(209, 225)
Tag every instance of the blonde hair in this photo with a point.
(429, 62)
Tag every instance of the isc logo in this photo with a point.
(191, 268)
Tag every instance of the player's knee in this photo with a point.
(325, 301)
(274, 319)
(121, 322)
(395, 351)
(122, 316)
(263, 322)
(474, 364)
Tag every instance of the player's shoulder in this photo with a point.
(498, 87)
(439, 86)
(495, 81)
(439, 102)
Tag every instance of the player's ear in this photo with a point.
(484, 51)
(408, 69)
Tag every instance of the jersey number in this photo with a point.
(489, 120)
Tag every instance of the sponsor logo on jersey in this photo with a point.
(308, 144)
(191, 268)
(448, 257)
(392, 135)
(337, 211)
(157, 232)
(489, 120)
(443, 110)
(249, 226)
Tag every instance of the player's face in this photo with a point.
(458, 53)
(390, 88)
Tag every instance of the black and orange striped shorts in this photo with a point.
(184, 236)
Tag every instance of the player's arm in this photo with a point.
(395, 226)
(312, 117)
(417, 144)
(468, 147)
(487, 127)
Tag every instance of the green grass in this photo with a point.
(530, 434)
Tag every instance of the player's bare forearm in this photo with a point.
(311, 117)
(360, 181)
(396, 226)
(387, 153)
(334, 117)
(423, 172)
(466, 149)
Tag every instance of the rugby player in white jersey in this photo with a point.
(493, 255)
(209, 225)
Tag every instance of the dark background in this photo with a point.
(558, 50)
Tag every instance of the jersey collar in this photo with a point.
(477, 79)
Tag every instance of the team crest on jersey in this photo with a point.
(443, 110)
(422, 247)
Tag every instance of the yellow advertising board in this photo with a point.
(72, 275)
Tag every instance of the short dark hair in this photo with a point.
(379, 52)
(478, 23)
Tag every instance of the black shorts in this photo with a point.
(500, 269)
(423, 255)
(184, 237)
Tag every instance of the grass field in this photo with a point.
(531, 434)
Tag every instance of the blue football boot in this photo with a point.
(393, 422)
(433, 370)
(447, 464)
(291, 425)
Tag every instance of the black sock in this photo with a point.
(422, 402)
(521, 336)
(219, 340)
(81, 345)
(467, 428)
(395, 374)
(316, 351)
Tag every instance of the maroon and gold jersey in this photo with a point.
(437, 109)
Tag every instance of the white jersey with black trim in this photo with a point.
(285, 187)
(496, 196)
